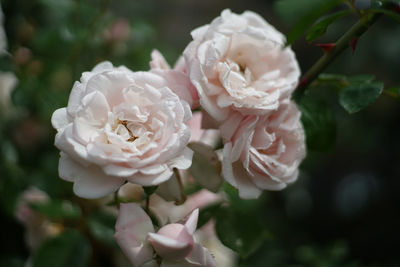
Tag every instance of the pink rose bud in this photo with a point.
(175, 241)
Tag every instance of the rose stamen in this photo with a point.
(132, 136)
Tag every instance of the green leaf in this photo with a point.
(358, 96)
(208, 213)
(242, 232)
(319, 124)
(70, 248)
(239, 225)
(101, 225)
(363, 78)
(320, 27)
(57, 209)
(391, 14)
(306, 13)
(206, 167)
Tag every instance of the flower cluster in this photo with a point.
(123, 127)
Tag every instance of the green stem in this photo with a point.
(354, 32)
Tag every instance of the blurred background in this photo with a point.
(342, 211)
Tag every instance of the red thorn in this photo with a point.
(396, 9)
(353, 43)
(326, 47)
(303, 82)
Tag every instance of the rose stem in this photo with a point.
(116, 198)
(147, 207)
(179, 179)
(354, 32)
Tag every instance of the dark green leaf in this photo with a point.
(208, 213)
(320, 27)
(239, 224)
(57, 209)
(70, 248)
(365, 78)
(101, 225)
(389, 13)
(303, 13)
(206, 167)
(319, 124)
(356, 97)
(242, 232)
(331, 77)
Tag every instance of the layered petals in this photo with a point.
(263, 152)
(121, 126)
(240, 63)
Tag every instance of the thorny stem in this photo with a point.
(179, 178)
(354, 32)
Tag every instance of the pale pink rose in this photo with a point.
(38, 227)
(240, 63)
(263, 152)
(174, 242)
(182, 85)
(121, 126)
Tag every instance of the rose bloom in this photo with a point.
(263, 152)
(121, 126)
(240, 63)
(37, 226)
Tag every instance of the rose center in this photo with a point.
(131, 137)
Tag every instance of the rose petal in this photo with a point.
(191, 222)
(132, 227)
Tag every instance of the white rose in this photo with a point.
(121, 126)
(239, 62)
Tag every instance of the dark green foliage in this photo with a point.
(321, 26)
(239, 225)
(319, 123)
(359, 95)
(58, 209)
(68, 249)
(302, 14)
(101, 226)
